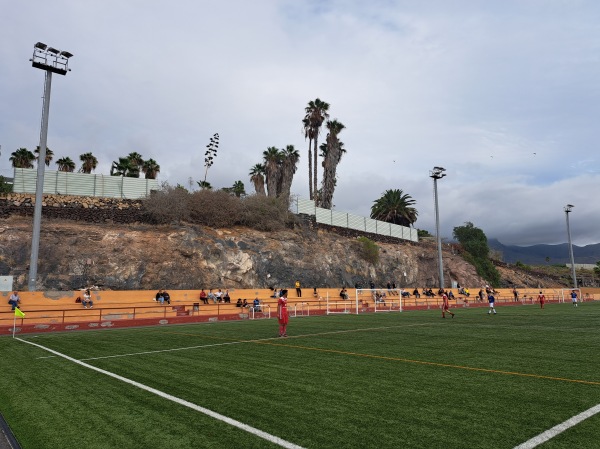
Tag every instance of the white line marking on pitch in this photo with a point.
(215, 415)
(560, 428)
(213, 345)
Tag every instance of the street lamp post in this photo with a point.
(438, 173)
(568, 209)
(51, 61)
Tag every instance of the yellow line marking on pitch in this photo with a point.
(424, 362)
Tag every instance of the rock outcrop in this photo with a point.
(143, 256)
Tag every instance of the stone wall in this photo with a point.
(78, 208)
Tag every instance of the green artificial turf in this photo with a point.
(385, 380)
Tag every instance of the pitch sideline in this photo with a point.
(232, 422)
(559, 428)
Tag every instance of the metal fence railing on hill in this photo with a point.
(351, 221)
(83, 184)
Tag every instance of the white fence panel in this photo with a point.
(339, 219)
(323, 215)
(305, 207)
(383, 228)
(371, 225)
(83, 184)
(356, 222)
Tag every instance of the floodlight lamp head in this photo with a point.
(437, 173)
(41, 46)
(52, 50)
(568, 208)
(66, 54)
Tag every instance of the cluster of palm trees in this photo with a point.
(23, 158)
(129, 166)
(276, 172)
(132, 165)
(317, 113)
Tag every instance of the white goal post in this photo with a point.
(299, 309)
(262, 311)
(565, 295)
(379, 299)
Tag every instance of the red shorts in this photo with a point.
(283, 319)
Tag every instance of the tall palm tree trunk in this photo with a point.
(329, 172)
(310, 173)
(317, 200)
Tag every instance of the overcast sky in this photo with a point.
(504, 95)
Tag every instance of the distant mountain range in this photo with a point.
(537, 254)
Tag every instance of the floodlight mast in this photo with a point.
(438, 173)
(569, 208)
(51, 61)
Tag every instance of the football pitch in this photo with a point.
(525, 376)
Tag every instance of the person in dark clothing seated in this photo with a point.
(166, 297)
(416, 293)
(239, 302)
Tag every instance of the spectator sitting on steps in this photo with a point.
(167, 297)
(14, 300)
(203, 297)
(211, 296)
(159, 297)
(87, 300)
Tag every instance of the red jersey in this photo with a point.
(282, 312)
(445, 304)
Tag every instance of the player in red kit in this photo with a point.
(282, 313)
(541, 299)
(445, 306)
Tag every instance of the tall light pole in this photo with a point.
(51, 61)
(438, 173)
(568, 209)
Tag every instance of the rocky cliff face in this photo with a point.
(142, 256)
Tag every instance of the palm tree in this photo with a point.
(204, 185)
(308, 133)
(124, 168)
(238, 189)
(22, 158)
(289, 164)
(333, 154)
(316, 114)
(150, 168)
(272, 158)
(49, 155)
(395, 207)
(65, 164)
(137, 160)
(89, 162)
(257, 177)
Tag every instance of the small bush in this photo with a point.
(263, 213)
(4, 186)
(369, 250)
(214, 208)
(169, 204)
